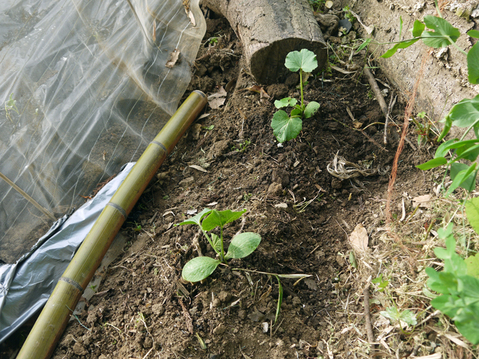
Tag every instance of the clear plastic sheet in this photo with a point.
(84, 86)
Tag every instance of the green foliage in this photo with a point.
(241, 245)
(287, 127)
(458, 283)
(395, 316)
(382, 284)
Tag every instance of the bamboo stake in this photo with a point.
(27, 197)
(54, 317)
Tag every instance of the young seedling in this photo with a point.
(287, 127)
(241, 245)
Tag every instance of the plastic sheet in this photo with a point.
(26, 285)
(84, 86)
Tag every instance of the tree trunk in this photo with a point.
(444, 81)
(269, 30)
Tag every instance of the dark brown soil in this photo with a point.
(304, 215)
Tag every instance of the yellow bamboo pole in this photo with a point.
(54, 317)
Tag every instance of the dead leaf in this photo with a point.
(198, 168)
(422, 201)
(173, 58)
(357, 124)
(258, 89)
(359, 239)
(217, 99)
(281, 205)
(192, 18)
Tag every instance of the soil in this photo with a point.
(143, 309)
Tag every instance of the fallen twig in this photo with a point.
(376, 90)
(367, 316)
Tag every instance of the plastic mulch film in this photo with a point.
(26, 285)
(84, 86)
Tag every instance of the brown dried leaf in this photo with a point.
(422, 201)
(173, 58)
(359, 239)
(258, 89)
(217, 99)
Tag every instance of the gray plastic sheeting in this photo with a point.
(26, 285)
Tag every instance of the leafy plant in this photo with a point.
(458, 282)
(458, 287)
(464, 114)
(241, 245)
(396, 316)
(11, 105)
(287, 127)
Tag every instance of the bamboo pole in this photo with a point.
(54, 317)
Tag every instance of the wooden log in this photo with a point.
(269, 30)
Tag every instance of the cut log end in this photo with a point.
(269, 30)
(267, 61)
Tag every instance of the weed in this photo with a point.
(287, 127)
(11, 105)
(316, 5)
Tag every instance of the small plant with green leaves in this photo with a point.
(11, 105)
(457, 283)
(393, 313)
(423, 128)
(436, 32)
(287, 127)
(241, 245)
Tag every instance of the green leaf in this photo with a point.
(418, 28)
(441, 282)
(220, 218)
(391, 313)
(216, 242)
(400, 26)
(304, 60)
(473, 33)
(280, 299)
(408, 317)
(446, 129)
(199, 268)
(436, 162)
(448, 304)
(311, 109)
(472, 264)
(472, 213)
(297, 112)
(285, 102)
(444, 33)
(473, 64)
(443, 148)
(243, 245)
(470, 330)
(363, 45)
(401, 45)
(469, 286)
(467, 152)
(284, 127)
(196, 219)
(465, 113)
(462, 177)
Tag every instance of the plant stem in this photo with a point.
(222, 255)
(301, 87)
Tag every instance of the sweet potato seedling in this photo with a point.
(286, 127)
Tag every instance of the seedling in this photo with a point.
(287, 127)
(241, 245)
